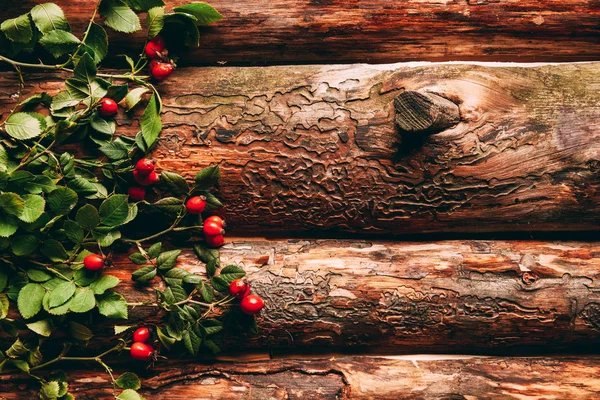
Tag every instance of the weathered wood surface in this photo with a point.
(377, 31)
(316, 147)
(413, 377)
(390, 297)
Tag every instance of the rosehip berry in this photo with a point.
(141, 335)
(145, 180)
(215, 241)
(196, 204)
(216, 219)
(154, 47)
(239, 288)
(161, 71)
(145, 166)
(108, 107)
(152, 63)
(252, 304)
(93, 262)
(212, 229)
(137, 193)
(141, 351)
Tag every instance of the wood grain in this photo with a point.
(347, 378)
(316, 147)
(376, 31)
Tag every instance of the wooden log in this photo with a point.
(376, 31)
(316, 147)
(448, 296)
(411, 377)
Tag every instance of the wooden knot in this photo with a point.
(425, 113)
(529, 278)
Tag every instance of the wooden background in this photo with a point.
(374, 244)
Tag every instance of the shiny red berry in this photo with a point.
(141, 351)
(239, 288)
(252, 304)
(161, 71)
(212, 228)
(137, 193)
(93, 262)
(216, 219)
(152, 63)
(215, 241)
(108, 107)
(141, 335)
(145, 180)
(145, 166)
(196, 204)
(154, 47)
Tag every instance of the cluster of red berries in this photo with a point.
(140, 350)
(251, 303)
(213, 231)
(145, 175)
(160, 66)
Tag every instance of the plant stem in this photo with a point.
(96, 358)
(85, 36)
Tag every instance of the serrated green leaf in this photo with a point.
(165, 339)
(114, 210)
(104, 283)
(211, 345)
(102, 125)
(154, 250)
(206, 292)
(208, 177)
(128, 380)
(85, 70)
(169, 205)
(3, 307)
(178, 273)
(62, 200)
(83, 301)
(137, 258)
(59, 42)
(82, 186)
(144, 5)
(134, 96)
(30, 299)
(22, 365)
(151, 124)
(112, 305)
(97, 40)
(191, 278)
(220, 284)
(42, 328)
(117, 92)
(18, 29)
(115, 150)
(122, 328)
(205, 14)
(83, 276)
(106, 236)
(167, 260)
(205, 254)
(3, 280)
(119, 16)
(175, 183)
(38, 275)
(34, 208)
(61, 294)
(144, 274)
(49, 16)
(12, 203)
(88, 217)
(211, 326)
(73, 231)
(49, 390)
(23, 126)
(79, 331)
(8, 225)
(54, 250)
(192, 342)
(38, 98)
(129, 394)
(23, 245)
(155, 21)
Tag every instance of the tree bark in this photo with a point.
(375, 31)
(412, 377)
(316, 147)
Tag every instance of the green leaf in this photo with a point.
(103, 126)
(38, 98)
(208, 177)
(61, 294)
(64, 99)
(18, 29)
(106, 236)
(128, 380)
(22, 365)
(211, 345)
(83, 301)
(59, 42)
(88, 217)
(23, 126)
(104, 283)
(30, 299)
(117, 92)
(137, 258)
(119, 16)
(175, 183)
(24, 245)
(97, 40)
(82, 186)
(42, 328)
(3, 158)
(49, 16)
(191, 342)
(182, 26)
(62, 200)
(144, 274)
(212, 202)
(3, 306)
(220, 284)
(3, 280)
(165, 339)
(154, 250)
(167, 260)
(134, 96)
(112, 305)
(80, 332)
(114, 210)
(155, 21)
(84, 277)
(73, 231)
(206, 292)
(115, 150)
(122, 328)
(129, 394)
(54, 250)
(205, 254)
(38, 275)
(85, 70)
(12, 203)
(232, 272)
(211, 326)
(8, 225)
(144, 5)
(191, 278)
(151, 124)
(50, 390)
(170, 205)
(204, 13)
(34, 208)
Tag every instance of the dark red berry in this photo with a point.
(196, 204)
(141, 335)
(137, 193)
(239, 288)
(141, 351)
(108, 107)
(145, 180)
(161, 71)
(93, 262)
(154, 47)
(212, 228)
(145, 166)
(152, 63)
(216, 219)
(215, 241)
(252, 304)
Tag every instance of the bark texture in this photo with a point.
(316, 147)
(348, 378)
(376, 31)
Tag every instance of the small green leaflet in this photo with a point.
(80, 332)
(18, 29)
(30, 299)
(34, 208)
(119, 16)
(88, 217)
(23, 126)
(128, 380)
(59, 42)
(155, 21)
(112, 305)
(134, 97)
(83, 301)
(205, 14)
(62, 200)
(42, 328)
(208, 177)
(104, 283)
(49, 16)
(85, 70)
(97, 40)
(114, 210)
(129, 394)
(151, 123)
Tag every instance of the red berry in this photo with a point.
(239, 288)
(108, 107)
(152, 63)
(93, 262)
(141, 335)
(212, 228)
(137, 193)
(141, 351)
(216, 219)
(215, 241)
(145, 166)
(145, 180)
(252, 304)
(196, 204)
(154, 47)
(161, 71)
